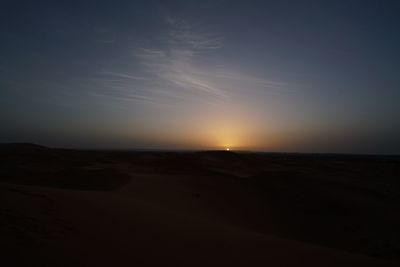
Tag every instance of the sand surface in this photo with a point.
(152, 209)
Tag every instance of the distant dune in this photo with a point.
(213, 208)
(21, 147)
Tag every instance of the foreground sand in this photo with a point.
(72, 208)
(81, 228)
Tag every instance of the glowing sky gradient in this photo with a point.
(299, 76)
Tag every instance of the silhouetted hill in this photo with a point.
(22, 147)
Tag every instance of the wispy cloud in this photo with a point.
(175, 69)
(174, 63)
(122, 75)
(119, 86)
(183, 34)
(178, 69)
(106, 41)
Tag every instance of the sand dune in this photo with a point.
(193, 209)
(84, 228)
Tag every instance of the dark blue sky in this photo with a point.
(311, 76)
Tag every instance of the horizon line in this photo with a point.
(166, 150)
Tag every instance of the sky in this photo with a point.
(289, 76)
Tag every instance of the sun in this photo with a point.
(227, 149)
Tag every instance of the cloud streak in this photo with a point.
(181, 67)
(183, 34)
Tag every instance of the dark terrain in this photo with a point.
(78, 208)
